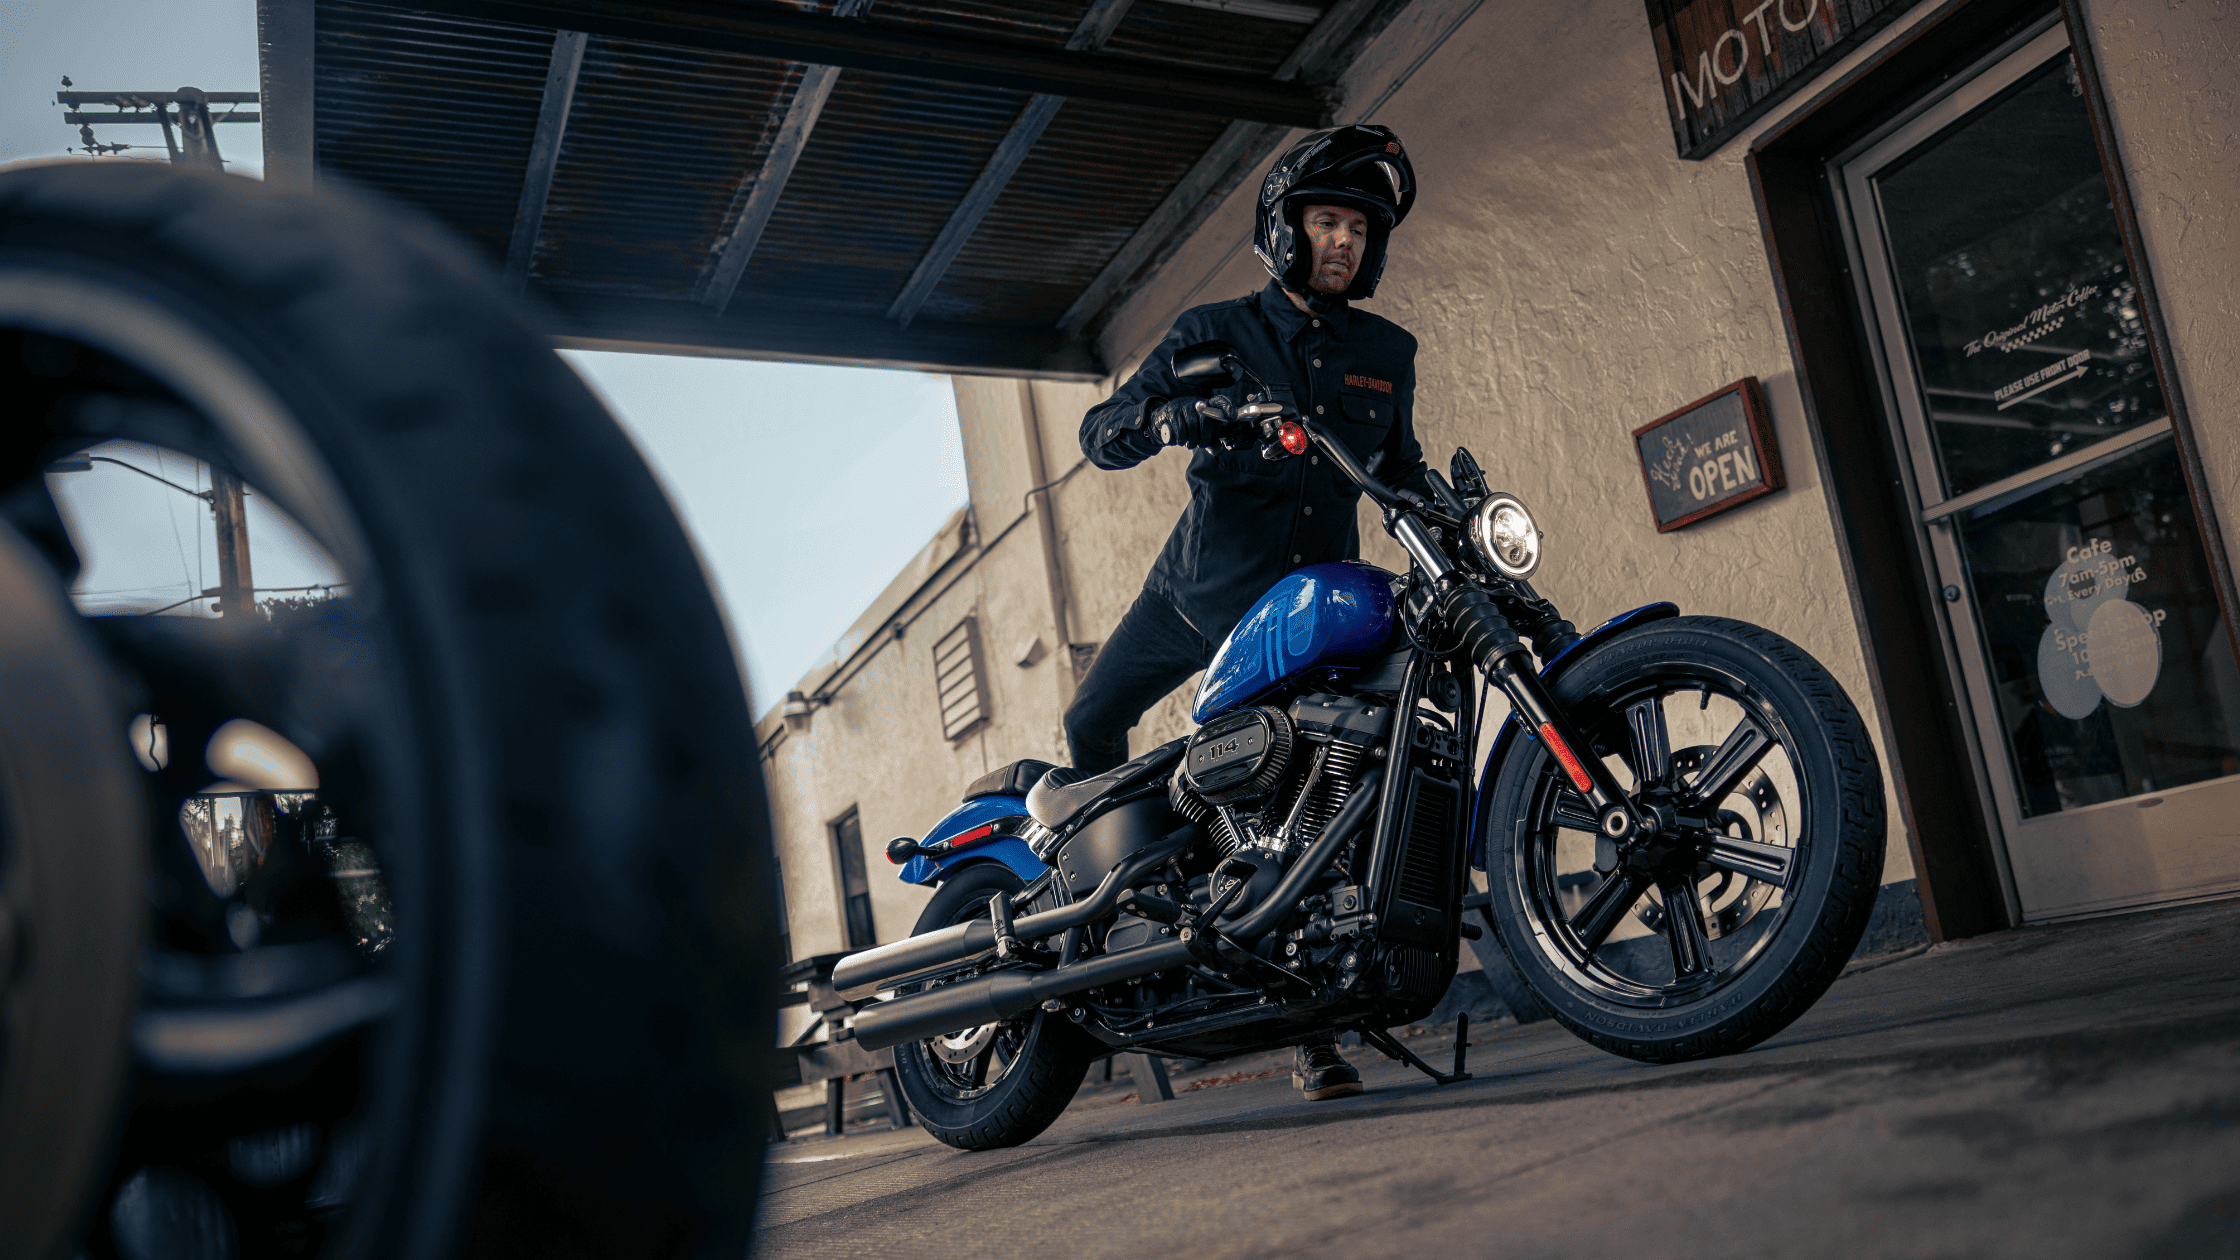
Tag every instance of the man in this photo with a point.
(1326, 212)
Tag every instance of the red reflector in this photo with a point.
(1392, 146)
(974, 836)
(1570, 762)
(1294, 439)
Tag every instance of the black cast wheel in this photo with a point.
(1727, 922)
(997, 1084)
(493, 976)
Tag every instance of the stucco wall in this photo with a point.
(877, 745)
(2171, 72)
(1570, 279)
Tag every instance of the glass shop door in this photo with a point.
(2099, 672)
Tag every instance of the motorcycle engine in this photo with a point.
(1239, 755)
(1271, 778)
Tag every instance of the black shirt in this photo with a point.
(1251, 520)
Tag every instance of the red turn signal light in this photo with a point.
(1294, 438)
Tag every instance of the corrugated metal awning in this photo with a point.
(965, 185)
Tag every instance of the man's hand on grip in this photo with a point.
(1194, 422)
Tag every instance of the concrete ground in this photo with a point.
(2066, 1091)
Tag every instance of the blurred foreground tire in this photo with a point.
(528, 708)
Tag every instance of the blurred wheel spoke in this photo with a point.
(212, 1038)
(1766, 863)
(1743, 747)
(1607, 907)
(1650, 748)
(1572, 811)
(1684, 929)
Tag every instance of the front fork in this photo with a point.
(1498, 652)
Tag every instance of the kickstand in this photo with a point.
(1395, 1051)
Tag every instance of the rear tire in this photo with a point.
(1036, 1061)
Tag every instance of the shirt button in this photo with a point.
(1318, 323)
(1318, 409)
(1294, 559)
(1314, 459)
(1318, 363)
(1308, 511)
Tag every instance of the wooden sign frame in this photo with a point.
(1718, 462)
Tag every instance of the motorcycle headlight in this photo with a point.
(1502, 530)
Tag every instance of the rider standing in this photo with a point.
(1326, 211)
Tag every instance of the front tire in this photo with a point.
(1000, 1084)
(1719, 930)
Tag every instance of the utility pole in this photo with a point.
(237, 589)
(195, 143)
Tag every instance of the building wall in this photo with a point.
(2171, 72)
(875, 742)
(1569, 279)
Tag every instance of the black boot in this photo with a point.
(1319, 1071)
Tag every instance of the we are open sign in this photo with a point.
(1713, 454)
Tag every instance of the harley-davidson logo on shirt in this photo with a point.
(1368, 382)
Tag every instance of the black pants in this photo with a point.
(1150, 653)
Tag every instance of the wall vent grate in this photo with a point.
(960, 682)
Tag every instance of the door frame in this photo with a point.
(1929, 739)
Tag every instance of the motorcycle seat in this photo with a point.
(1015, 779)
(1065, 791)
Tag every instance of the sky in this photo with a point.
(805, 488)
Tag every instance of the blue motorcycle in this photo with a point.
(1680, 821)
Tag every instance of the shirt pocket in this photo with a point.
(1246, 463)
(1368, 420)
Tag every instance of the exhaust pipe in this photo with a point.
(991, 999)
(861, 975)
(1001, 996)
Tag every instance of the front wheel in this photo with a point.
(1716, 930)
(999, 1084)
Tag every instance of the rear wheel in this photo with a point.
(999, 1084)
(1725, 924)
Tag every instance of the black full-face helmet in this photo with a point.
(1361, 167)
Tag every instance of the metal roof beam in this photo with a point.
(544, 153)
(765, 185)
(1095, 28)
(1241, 146)
(786, 332)
(786, 35)
(1273, 10)
(286, 36)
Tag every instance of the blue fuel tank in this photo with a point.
(1323, 615)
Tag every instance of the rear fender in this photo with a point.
(1003, 812)
(1512, 729)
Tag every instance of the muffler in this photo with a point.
(997, 997)
(861, 975)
